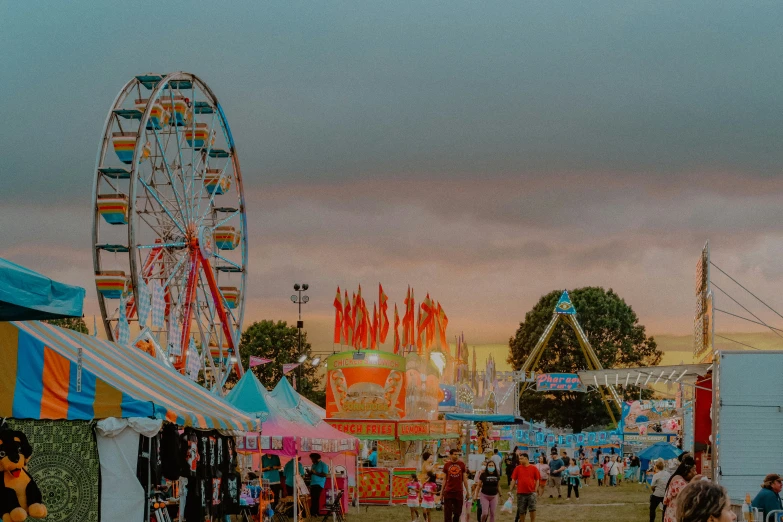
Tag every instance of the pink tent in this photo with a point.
(289, 429)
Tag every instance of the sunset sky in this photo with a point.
(486, 152)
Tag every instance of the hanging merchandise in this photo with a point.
(194, 365)
(158, 305)
(123, 337)
(143, 306)
(175, 333)
(170, 451)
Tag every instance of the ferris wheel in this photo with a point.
(169, 225)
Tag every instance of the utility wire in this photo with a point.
(741, 306)
(743, 344)
(748, 291)
(746, 319)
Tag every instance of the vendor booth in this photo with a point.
(94, 412)
(293, 430)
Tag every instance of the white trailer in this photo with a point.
(747, 419)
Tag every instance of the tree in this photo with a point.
(280, 342)
(614, 332)
(71, 323)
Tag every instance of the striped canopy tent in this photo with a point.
(41, 381)
(26, 295)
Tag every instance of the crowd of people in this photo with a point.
(675, 487)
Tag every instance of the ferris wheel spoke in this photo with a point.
(203, 164)
(178, 244)
(179, 151)
(154, 194)
(227, 261)
(170, 175)
(226, 220)
(207, 210)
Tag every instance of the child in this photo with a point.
(599, 475)
(428, 496)
(587, 471)
(414, 491)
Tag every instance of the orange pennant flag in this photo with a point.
(347, 322)
(396, 330)
(383, 319)
(444, 323)
(407, 338)
(374, 328)
(338, 316)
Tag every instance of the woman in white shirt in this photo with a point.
(614, 470)
(658, 486)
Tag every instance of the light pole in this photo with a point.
(299, 300)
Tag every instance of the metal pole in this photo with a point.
(296, 489)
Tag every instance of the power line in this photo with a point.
(732, 340)
(748, 291)
(741, 306)
(746, 319)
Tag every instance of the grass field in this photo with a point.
(626, 503)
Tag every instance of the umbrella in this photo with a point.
(660, 450)
(26, 295)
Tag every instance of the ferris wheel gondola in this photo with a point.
(169, 212)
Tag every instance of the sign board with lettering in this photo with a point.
(366, 429)
(559, 382)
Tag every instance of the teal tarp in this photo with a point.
(28, 296)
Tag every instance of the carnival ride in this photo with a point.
(565, 310)
(169, 223)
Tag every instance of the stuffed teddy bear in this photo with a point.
(19, 496)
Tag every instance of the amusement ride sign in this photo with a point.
(558, 382)
(372, 387)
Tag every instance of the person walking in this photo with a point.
(606, 465)
(543, 471)
(512, 461)
(270, 467)
(704, 501)
(768, 499)
(658, 486)
(526, 479)
(488, 485)
(556, 469)
(587, 471)
(634, 468)
(685, 473)
(456, 483)
(318, 473)
(614, 471)
(498, 460)
(428, 491)
(573, 479)
(414, 496)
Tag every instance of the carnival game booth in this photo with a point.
(292, 429)
(90, 409)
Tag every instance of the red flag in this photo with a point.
(396, 330)
(374, 328)
(419, 333)
(426, 323)
(347, 322)
(407, 338)
(289, 366)
(365, 326)
(358, 328)
(383, 319)
(444, 323)
(338, 316)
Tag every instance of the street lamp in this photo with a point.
(299, 300)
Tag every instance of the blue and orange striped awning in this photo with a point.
(39, 381)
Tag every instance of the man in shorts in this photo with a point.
(556, 469)
(525, 478)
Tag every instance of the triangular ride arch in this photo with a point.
(565, 310)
